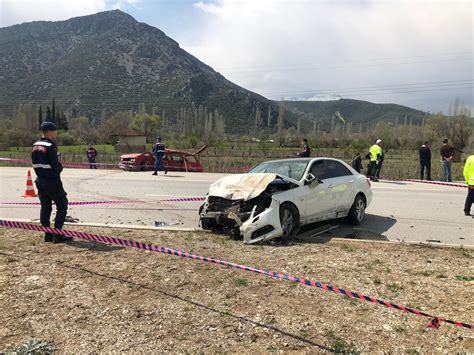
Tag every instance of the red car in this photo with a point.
(174, 160)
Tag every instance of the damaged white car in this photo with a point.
(277, 197)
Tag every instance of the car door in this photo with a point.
(341, 184)
(320, 204)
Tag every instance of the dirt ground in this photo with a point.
(83, 297)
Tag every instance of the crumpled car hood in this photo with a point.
(242, 186)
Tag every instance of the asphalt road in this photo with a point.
(399, 211)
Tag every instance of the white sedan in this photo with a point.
(277, 197)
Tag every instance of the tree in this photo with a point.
(114, 125)
(281, 120)
(64, 121)
(258, 119)
(269, 117)
(40, 117)
(48, 114)
(148, 124)
(53, 112)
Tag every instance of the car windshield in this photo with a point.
(293, 169)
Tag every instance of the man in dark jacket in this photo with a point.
(447, 155)
(425, 161)
(306, 153)
(159, 151)
(91, 156)
(357, 163)
(44, 157)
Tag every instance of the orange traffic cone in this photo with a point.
(30, 190)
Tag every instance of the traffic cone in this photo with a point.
(30, 190)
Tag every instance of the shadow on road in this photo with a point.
(373, 228)
(386, 182)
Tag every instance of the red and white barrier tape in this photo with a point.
(434, 323)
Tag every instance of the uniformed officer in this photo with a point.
(376, 157)
(159, 151)
(44, 156)
(469, 176)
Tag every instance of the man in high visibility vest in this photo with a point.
(375, 153)
(469, 176)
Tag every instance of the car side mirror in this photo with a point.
(310, 179)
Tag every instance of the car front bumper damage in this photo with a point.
(252, 226)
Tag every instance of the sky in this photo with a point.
(417, 53)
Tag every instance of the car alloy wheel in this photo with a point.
(360, 209)
(289, 220)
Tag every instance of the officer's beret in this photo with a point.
(48, 126)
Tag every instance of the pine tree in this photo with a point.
(48, 114)
(40, 117)
(64, 121)
(269, 118)
(53, 112)
(281, 120)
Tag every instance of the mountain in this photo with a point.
(360, 113)
(109, 62)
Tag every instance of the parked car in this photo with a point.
(174, 160)
(277, 197)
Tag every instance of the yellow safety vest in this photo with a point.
(375, 152)
(469, 170)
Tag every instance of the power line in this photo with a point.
(349, 61)
(347, 66)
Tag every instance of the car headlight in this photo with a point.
(132, 160)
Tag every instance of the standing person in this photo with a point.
(375, 154)
(357, 163)
(159, 151)
(306, 153)
(469, 176)
(44, 156)
(446, 152)
(91, 156)
(380, 162)
(425, 161)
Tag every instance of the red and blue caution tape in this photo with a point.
(65, 164)
(434, 323)
(118, 202)
(427, 182)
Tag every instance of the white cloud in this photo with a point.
(278, 46)
(18, 11)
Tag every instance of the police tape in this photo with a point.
(117, 202)
(239, 169)
(385, 178)
(65, 164)
(434, 323)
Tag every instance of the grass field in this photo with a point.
(230, 157)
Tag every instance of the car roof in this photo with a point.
(299, 159)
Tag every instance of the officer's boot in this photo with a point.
(48, 237)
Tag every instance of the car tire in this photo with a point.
(357, 212)
(290, 220)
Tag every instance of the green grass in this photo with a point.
(340, 345)
(347, 248)
(465, 278)
(394, 287)
(241, 282)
